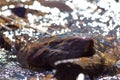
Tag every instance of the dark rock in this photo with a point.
(19, 11)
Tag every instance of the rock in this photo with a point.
(19, 11)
